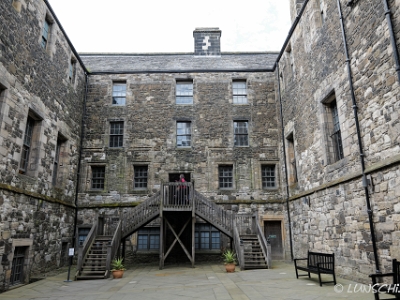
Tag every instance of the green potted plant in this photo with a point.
(230, 260)
(118, 267)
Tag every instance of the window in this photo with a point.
(26, 147)
(183, 134)
(291, 158)
(149, 238)
(184, 92)
(71, 71)
(207, 237)
(116, 134)
(322, 11)
(98, 174)
(268, 176)
(140, 177)
(45, 33)
(119, 93)
(332, 130)
(56, 160)
(82, 234)
(239, 92)
(17, 268)
(225, 177)
(241, 133)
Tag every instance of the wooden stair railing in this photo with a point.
(238, 247)
(113, 247)
(84, 249)
(140, 215)
(265, 246)
(214, 214)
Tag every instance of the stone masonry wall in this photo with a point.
(36, 210)
(328, 202)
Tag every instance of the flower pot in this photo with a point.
(230, 268)
(118, 273)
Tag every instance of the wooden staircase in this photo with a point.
(94, 265)
(253, 255)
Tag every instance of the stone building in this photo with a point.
(307, 137)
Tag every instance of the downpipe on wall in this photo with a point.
(284, 161)
(364, 179)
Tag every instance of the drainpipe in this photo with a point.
(284, 161)
(392, 38)
(364, 179)
(78, 177)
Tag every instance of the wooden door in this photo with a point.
(273, 232)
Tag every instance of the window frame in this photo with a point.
(236, 94)
(266, 177)
(185, 134)
(98, 180)
(118, 94)
(200, 240)
(44, 41)
(225, 181)
(27, 144)
(181, 94)
(116, 138)
(139, 168)
(237, 134)
(149, 232)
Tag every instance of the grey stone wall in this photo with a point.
(328, 203)
(150, 116)
(34, 212)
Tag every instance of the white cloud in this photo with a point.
(167, 26)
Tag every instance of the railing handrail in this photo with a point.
(113, 247)
(238, 247)
(83, 250)
(264, 245)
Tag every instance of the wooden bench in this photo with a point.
(388, 288)
(317, 263)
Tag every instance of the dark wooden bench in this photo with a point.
(317, 263)
(388, 288)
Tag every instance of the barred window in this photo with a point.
(56, 161)
(241, 133)
(207, 237)
(183, 134)
(140, 177)
(225, 177)
(333, 136)
(268, 176)
(116, 134)
(98, 175)
(184, 92)
(71, 71)
(239, 92)
(119, 94)
(336, 135)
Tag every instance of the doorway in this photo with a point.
(273, 232)
(174, 177)
(18, 266)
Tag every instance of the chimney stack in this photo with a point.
(207, 41)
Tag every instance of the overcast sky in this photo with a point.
(167, 25)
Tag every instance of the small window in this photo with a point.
(82, 234)
(45, 33)
(119, 94)
(98, 175)
(140, 177)
(268, 176)
(183, 134)
(239, 92)
(291, 159)
(241, 133)
(184, 93)
(57, 160)
(321, 9)
(225, 177)
(116, 134)
(26, 147)
(72, 70)
(149, 238)
(17, 267)
(207, 237)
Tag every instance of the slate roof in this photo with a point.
(178, 62)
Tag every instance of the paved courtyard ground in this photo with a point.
(205, 281)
